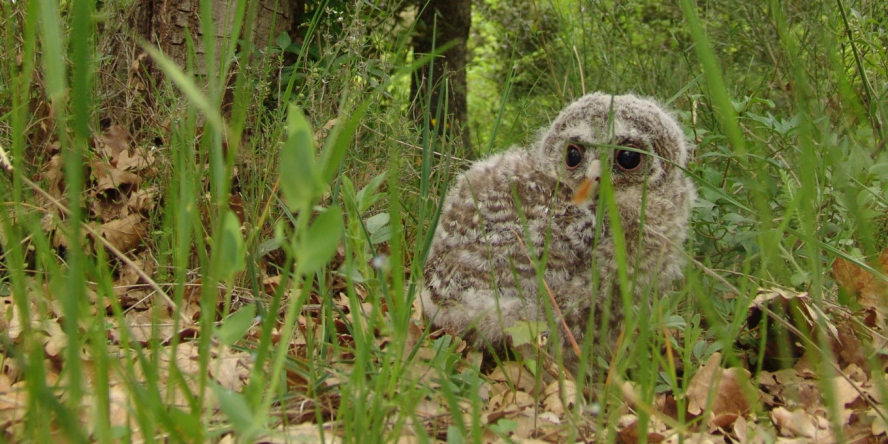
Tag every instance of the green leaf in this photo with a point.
(350, 271)
(880, 170)
(504, 426)
(283, 40)
(712, 348)
(338, 141)
(383, 235)
(379, 229)
(376, 222)
(300, 177)
(347, 188)
(237, 409)
(703, 203)
(230, 247)
(676, 322)
(699, 349)
(368, 195)
(189, 424)
(236, 326)
(454, 436)
(523, 332)
(319, 244)
(269, 245)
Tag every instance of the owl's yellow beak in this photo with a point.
(588, 188)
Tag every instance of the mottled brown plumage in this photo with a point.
(479, 278)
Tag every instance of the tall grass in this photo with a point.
(791, 168)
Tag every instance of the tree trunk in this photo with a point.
(167, 24)
(442, 22)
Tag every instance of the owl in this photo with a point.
(524, 224)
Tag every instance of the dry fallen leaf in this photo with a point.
(150, 324)
(119, 405)
(305, 432)
(513, 373)
(321, 133)
(845, 392)
(125, 234)
(558, 393)
(231, 369)
(13, 405)
(8, 398)
(111, 178)
(801, 424)
(508, 401)
(727, 386)
(137, 161)
(848, 346)
(143, 201)
(112, 191)
(879, 425)
(792, 387)
(628, 431)
(128, 276)
(871, 291)
(114, 141)
(52, 173)
(56, 339)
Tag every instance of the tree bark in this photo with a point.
(442, 22)
(171, 22)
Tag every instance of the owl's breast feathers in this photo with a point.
(498, 220)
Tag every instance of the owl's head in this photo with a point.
(637, 140)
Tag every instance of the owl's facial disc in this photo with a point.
(588, 189)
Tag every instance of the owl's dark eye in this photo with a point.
(628, 160)
(573, 156)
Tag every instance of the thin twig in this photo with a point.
(775, 152)
(580, 67)
(696, 263)
(613, 364)
(567, 332)
(419, 148)
(712, 273)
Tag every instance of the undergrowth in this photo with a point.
(234, 254)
